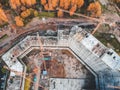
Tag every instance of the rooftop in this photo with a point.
(92, 44)
(69, 84)
(112, 59)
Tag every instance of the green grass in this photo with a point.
(3, 37)
(106, 38)
(40, 15)
(46, 14)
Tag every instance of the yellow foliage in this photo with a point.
(35, 13)
(3, 17)
(27, 83)
(95, 9)
(19, 21)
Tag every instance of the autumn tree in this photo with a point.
(33, 2)
(73, 9)
(60, 13)
(54, 3)
(19, 21)
(95, 9)
(67, 4)
(29, 2)
(43, 2)
(25, 13)
(23, 2)
(50, 7)
(61, 5)
(46, 7)
(3, 17)
(15, 3)
(80, 3)
(70, 5)
(73, 2)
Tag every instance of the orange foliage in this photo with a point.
(95, 9)
(70, 5)
(30, 2)
(60, 13)
(73, 9)
(25, 13)
(15, 3)
(23, 1)
(43, 2)
(33, 2)
(3, 17)
(50, 5)
(54, 3)
(73, 2)
(67, 4)
(61, 3)
(80, 3)
(46, 7)
(19, 21)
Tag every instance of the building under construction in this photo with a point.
(70, 59)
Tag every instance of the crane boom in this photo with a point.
(41, 49)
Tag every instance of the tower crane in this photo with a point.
(41, 50)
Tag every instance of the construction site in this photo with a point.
(59, 45)
(60, 64)
(72, 59)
